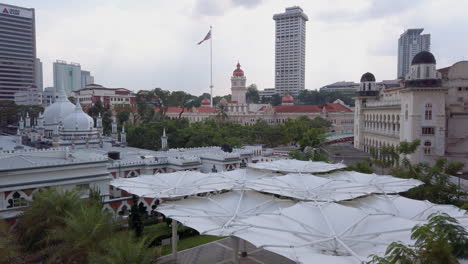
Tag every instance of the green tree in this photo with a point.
(362, 166)
(222, 111)
(275, 100)
(106, 115)
(252, 96)
(440, 241)
(135, 221)
(313, 137)
(82, 235)
(123, 248)
(45, 212)
(9, 248)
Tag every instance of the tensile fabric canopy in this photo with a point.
(311, 232)
(296, 166)
(403, 207)
(173, 185)
(382, 183)
(310, 188)
(219, 215)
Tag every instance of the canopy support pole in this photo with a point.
(174, 240)
(235, 249)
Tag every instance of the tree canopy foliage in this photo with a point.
(213, 133)
(62, 227)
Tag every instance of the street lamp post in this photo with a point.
(459, 174)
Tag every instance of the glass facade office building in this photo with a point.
(17, 50)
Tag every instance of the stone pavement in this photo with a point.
(220, 252)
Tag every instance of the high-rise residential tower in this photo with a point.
(17, 50)
(290, 51)
(410, 43)
(70, 77)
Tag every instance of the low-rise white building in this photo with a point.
(115, 97)
(29, 96)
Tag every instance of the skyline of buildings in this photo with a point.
(410, 43)
(17, 50)
(70, 77)
(290, 34)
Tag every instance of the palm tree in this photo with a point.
(9, 250)
(46, 211)
(441, 240)
(82, 234)
(124, 248)
(222, 110)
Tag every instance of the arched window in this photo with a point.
(427, 147)
(16, 201)
(428, 112)
(419, 72)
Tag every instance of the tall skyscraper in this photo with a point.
(86, 78)
(38, 76)
(70, 77)
(410, 43)
(290, 51)
(17, 50)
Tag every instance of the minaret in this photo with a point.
(21, 123)
(99, 123)
(40, 124)
(123, 136)
(164, 140)
(367, 92)
(28, 121)
(114, 134)
(19, 138)
(238, 87)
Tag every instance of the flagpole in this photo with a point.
(211, 67)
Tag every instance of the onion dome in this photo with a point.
(206, 101)
(59, 109)
(368, 77)
(238, 72)
(423, 57)
(78, 120)
(287, 99)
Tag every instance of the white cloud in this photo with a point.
(147, 44)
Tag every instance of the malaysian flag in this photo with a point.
(207, 37)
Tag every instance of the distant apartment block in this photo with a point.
(29, 96)
(17, 50)
(70, 77)
(267, 93)
(290, 51)
(410, 43)
(348, 88)
(115, 97)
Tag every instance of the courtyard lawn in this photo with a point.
(189, 243)
(156, 230)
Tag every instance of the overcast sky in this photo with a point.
(152, 43)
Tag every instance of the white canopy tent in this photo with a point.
(384, 183)
(296, 166)
(403, 207)
(314, 188)
(218, 214)
(239, 178)
(173, 185)
(312, 233)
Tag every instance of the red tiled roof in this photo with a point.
(297, 109)
(310, 108)
(175, 109)
(205, 109)
(336, 108)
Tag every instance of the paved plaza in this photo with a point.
(220, 252)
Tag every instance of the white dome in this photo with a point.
(58, 110)
(78, 120)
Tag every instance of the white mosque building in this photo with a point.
(64, 124)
